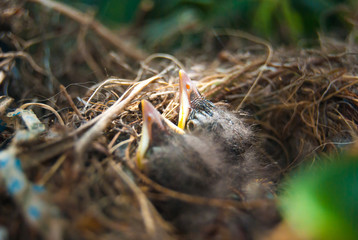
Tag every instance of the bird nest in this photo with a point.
(75, 130)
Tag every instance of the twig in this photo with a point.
(69, 99)
(110, 80)
(111, 114)
(252, 38)
(46, 107)
(52, 171)
(112, 149)
(142, 200)
(81, 39)
(101, 30)
(27, 57)
(165, 56)
(41, 153)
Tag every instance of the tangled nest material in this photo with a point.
(78, 141)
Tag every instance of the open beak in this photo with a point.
(152, 117)
(187, 93)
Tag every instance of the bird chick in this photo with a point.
(203, 119)
(189, 164)
(181, 162)
(199, 114)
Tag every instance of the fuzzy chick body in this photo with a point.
(242, 154)
(196, 164)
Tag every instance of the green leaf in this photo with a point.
(321, 202)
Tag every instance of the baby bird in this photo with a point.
(193, 165)
(175, 160)
(203, 119)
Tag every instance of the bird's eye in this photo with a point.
(191, 125)
(187, 86)
(149, 118)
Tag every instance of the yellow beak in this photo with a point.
(187, 92)
(150, 117)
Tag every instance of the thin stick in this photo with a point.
(81, 39)
(110, 80)
(52, 171)
(46, 107)
(237, 33)
(252, 38)
(142, 200)
(114, 139)
(165, 56)
(25, 56)
(111, 114)
(101, 30)
(70, 101)
(112, 149)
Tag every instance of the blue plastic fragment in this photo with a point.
(13, 114)
(18, 164)
(3, 162)
(38, 188)
(15, 186)
(34, 212)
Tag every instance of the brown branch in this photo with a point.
(25, 56)
(70, 101)
(111, 114)
(96, 26)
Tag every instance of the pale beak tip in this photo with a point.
(182, 74)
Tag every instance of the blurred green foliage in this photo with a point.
(109, 11)
(320, 201)
(163, 22)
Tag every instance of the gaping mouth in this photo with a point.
(152, 117)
